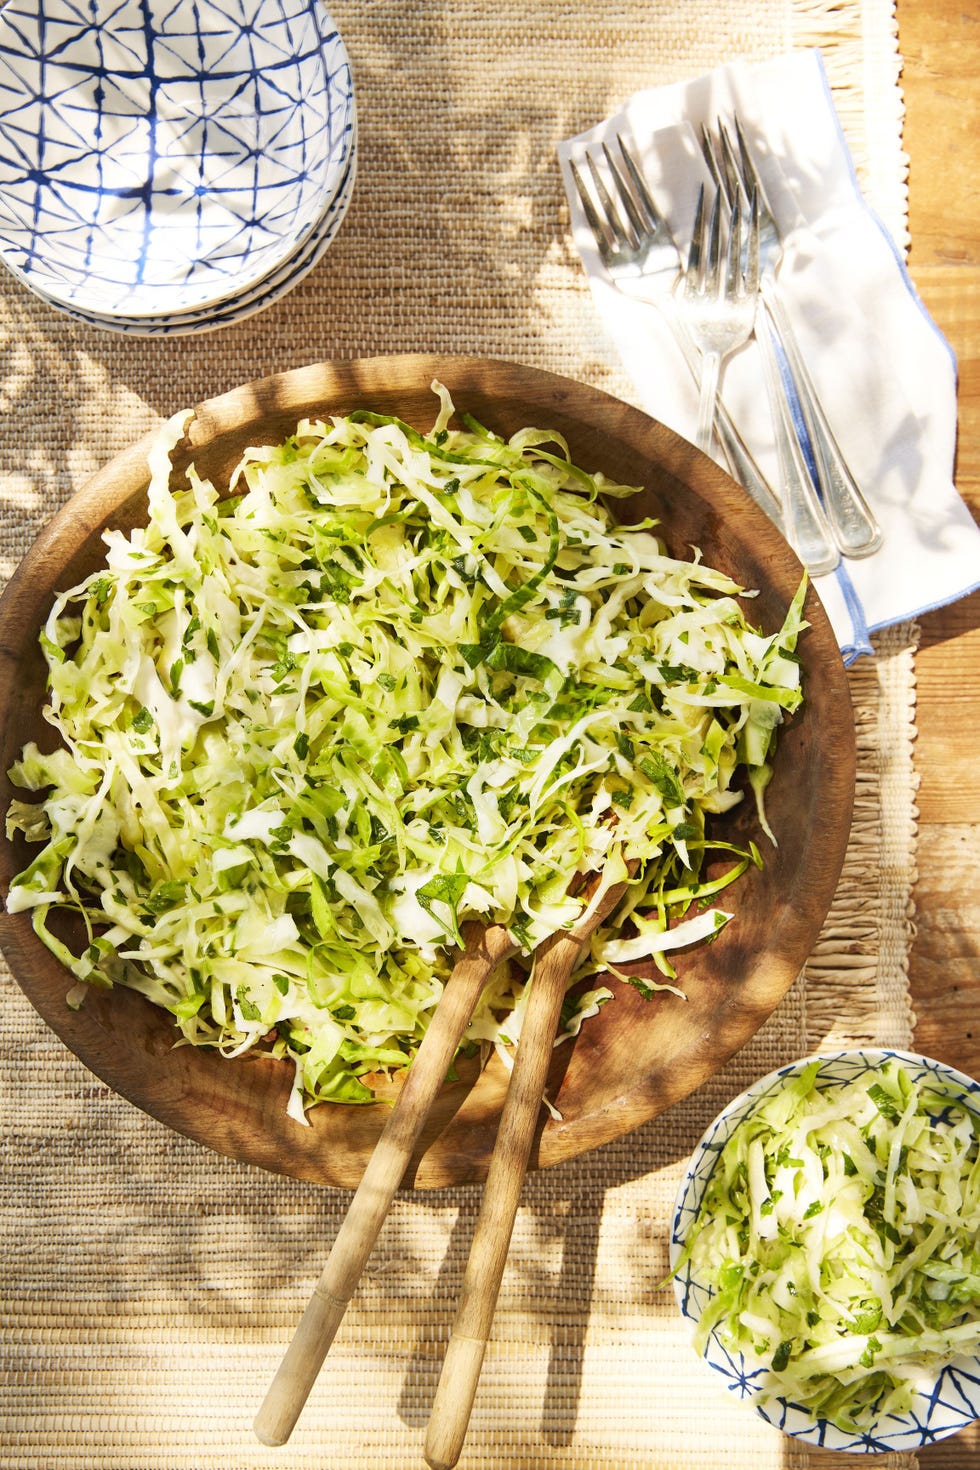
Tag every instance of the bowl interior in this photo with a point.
(636, 1057)
(169, 164)
(941, 1408)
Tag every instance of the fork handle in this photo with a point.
(740, 461)
(805, 524)
(485, 948)
(554, 964)
(710, 372)
(854, 527)
(461, 1367)
(744, 468)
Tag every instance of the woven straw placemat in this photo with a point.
(149, 1286)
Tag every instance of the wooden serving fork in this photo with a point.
(485, 948)
(554, 961)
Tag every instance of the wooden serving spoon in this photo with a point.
(485, 948)
(554, 961)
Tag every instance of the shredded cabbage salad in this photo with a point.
(393, 680)
(840, 1232)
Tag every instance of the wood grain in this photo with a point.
(636, 1057)
(940, 45)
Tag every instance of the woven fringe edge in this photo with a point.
(858, 971)
(862, 59)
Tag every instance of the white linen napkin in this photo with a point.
(885, 375)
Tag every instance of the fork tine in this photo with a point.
(598, 226)
(734, 281)
(723, 164)
(624, 197)
(749, 172)
(752, 249)
(710, 157)
(735, 180)
(614, 220)
(693, 270)
(720, 160)
(712, 277)
(655, 219)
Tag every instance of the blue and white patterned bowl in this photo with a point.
(951, 1402)
(162, 159)
(266, 293)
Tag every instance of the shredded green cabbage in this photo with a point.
(391, 681)
(840, 1233)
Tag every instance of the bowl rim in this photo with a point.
(906, 1433)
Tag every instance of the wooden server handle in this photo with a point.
(303, 1359)
(554, 962)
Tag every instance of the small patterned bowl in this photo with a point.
(161, 159)
(951, 1401)
(267, 292)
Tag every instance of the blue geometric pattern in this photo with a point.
(158, 158)
(951, 1402)
(238, 308)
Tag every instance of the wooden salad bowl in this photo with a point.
(637, 1057)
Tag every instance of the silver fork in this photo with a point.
(718, 295)
(635, 255)
(803, 522)
(641, 258)
(854, 528)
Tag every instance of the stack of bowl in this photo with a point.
(171, 168)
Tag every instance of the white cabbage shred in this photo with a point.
(391, 681)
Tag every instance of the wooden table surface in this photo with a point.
(940, 45)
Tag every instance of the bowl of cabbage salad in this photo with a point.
(825, 1249)
(348, 658)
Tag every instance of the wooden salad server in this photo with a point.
(485, 948)
(554, 962)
